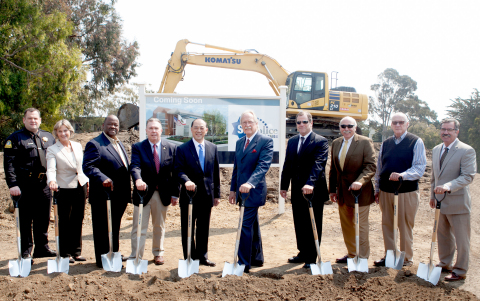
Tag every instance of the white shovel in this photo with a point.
(188, 267)
(356, 263)
(112, 261)
(138, 266)
(429, 272)
(319, 268)
(59, 264)
(20, 267)
(394, 258)
(235, 268)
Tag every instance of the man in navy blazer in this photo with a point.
(304, 167)
(152, 165)
(105, 163)
(196, 164)
(253, 156)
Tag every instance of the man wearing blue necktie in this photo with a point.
(196, 164)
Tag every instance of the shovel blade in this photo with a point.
(186, 268)
(359, 265)
(114, 264)
(429, 273)
(232, 269)
(20, 267)
(392, 262)
(321, 268)
(137, 268)
(58, 266)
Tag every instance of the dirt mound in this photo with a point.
(276, 280)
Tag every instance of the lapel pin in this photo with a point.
(45, 139)
(254, 151)
(164, 147)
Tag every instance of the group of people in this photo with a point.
(165, 174)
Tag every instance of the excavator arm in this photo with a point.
(247, 60)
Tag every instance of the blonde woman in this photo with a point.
(65, 174)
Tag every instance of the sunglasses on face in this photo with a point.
(347, 126)
(303, 121)
(398, 122)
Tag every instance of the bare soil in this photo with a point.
(276, 280)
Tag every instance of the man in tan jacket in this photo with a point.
(352, 168)
(453, 169)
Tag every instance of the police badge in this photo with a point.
(8, 144)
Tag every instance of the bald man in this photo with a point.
(105, 163)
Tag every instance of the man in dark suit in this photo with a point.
(304, 166)
(253, 156)
(152, 165)
(196, 164)
(352, 166)
(105, 163)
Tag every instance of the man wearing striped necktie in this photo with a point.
(152, 165)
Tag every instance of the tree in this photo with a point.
(97, 33)
(37, 67)
(216, 122)
(389, 91)
(428, 133)
(466, 111)
(417, 111)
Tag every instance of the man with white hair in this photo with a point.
(352, 167)
(401, 156)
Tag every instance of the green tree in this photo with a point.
(417, 110)
(37, 67)
(391, 89)
(428, 132)
(216, 122)
(466, 111)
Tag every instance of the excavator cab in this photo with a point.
(307, 90)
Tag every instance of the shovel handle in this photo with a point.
(239, 233)
(142, 194)
(437, 216)
(355, 195)
(309, 198)
(15, 200)
(191, 194)
(242, 200)
(400, 180)
(110, 235)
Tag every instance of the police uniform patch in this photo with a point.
(8, 144)
(45, 139)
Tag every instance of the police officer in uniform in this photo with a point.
(25, 167)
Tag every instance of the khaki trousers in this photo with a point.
(159, 214)
(347, 221)
(454, 231)
(407, 209)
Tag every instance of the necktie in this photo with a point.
(443, 157)
(343, 154)
(302, 140)
(156, 158)
(246, 144)
(201, 156)
(41, 152)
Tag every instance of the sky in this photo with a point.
(433, 42)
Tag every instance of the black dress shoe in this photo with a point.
(208, 263)
(124, 258)
(45, 253)
(306, 265)
(70, 260)
(255, 263)
(379, 263)
(296, 259)
(79, 258)
(247, 270)
(342, 260)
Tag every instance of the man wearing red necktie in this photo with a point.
(152, 165)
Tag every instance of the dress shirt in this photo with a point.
(251, 138)
(115, 142)
(159, 151)
(419, 162)
(445, 186)
(300, 140)
(349, 142)
(197, 148)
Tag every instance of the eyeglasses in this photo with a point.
(447, 130)
(398, 122)
(347, 126)
(303, 121)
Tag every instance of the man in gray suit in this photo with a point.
(453, 169)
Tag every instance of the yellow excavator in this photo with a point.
(307, 90)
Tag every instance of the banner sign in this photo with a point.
(222, 115)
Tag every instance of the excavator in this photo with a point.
(307, 90)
